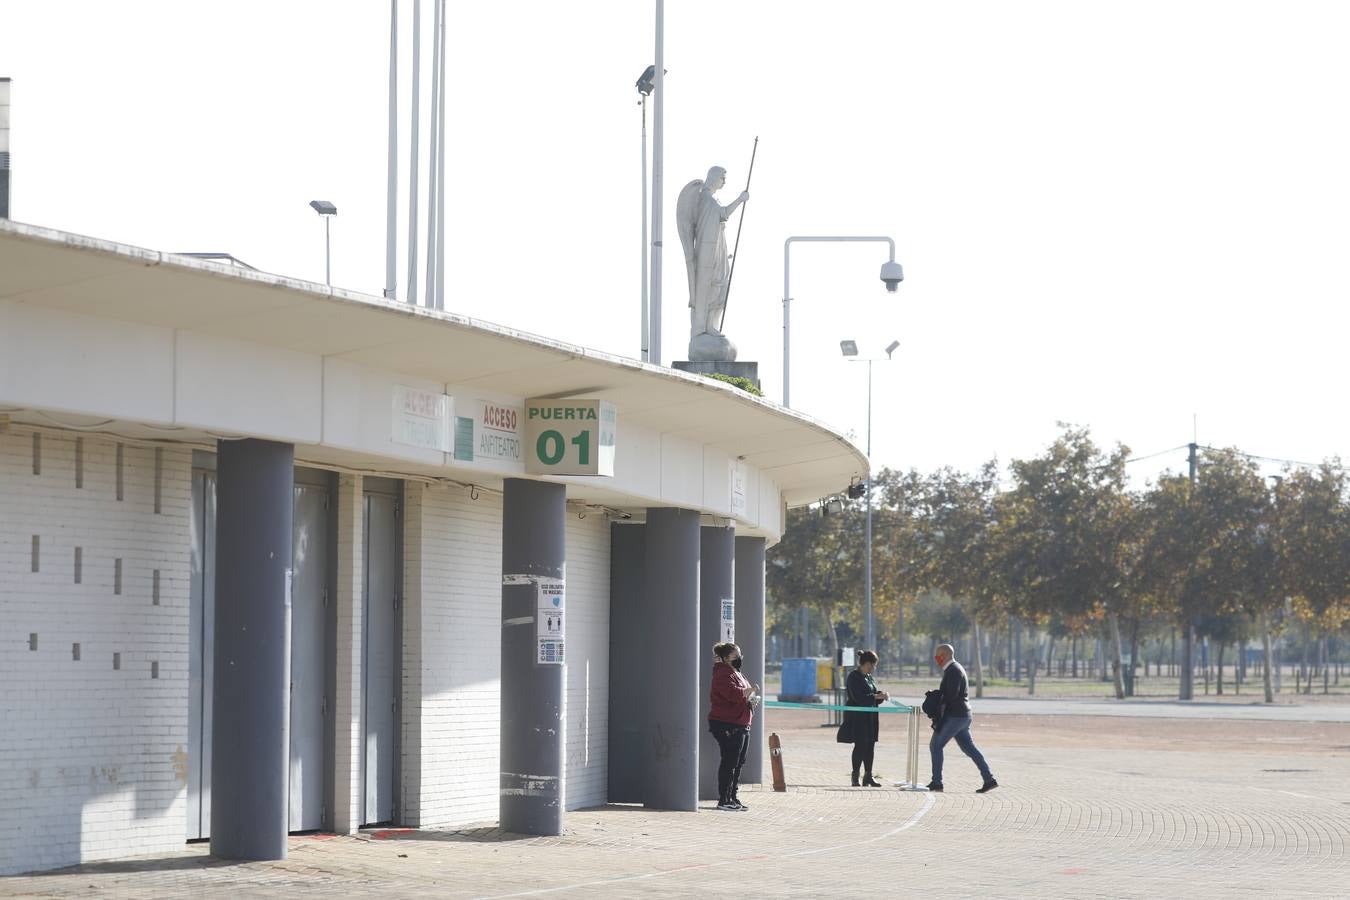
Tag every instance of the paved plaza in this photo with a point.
(1092, 806)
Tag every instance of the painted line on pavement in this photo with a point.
(928, 803)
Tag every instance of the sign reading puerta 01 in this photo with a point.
(569, 437)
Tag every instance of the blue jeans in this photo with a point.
(956, 727)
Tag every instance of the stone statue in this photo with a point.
(701, 221)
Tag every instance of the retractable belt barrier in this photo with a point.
(911, 713)
(890, 707)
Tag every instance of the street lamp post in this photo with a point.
(850, 350)
(891, 273)
(326, 212)
(646, 83)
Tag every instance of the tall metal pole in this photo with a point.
(646, 310)
(391, 219)
(867, 568)
(1187, 691)
(440, 169)
(327, 253)
(416, 114)
(658, 173)
(431, 159)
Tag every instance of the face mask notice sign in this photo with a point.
(549, 629)
(729, 620)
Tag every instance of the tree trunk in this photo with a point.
(900, 639)
(1031, 671)
(1307, 660)
(1134, 657)
(1222, 644)
(1074, 651)
(1050, 658)
(979, 665)
(1114, 622)
(1322, 661)
(1266, 682)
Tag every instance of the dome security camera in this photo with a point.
(892, 273)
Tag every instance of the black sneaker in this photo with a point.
(988, 786)
(934, 787)
(739, 805)
(728, 806)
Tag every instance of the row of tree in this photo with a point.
(1065, 545)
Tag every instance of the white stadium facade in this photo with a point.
(280, 557)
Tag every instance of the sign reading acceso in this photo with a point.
(569, 437)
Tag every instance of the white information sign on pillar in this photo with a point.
(570, 437)
(738, 504)
(422, 418)
(549, 626)
(728, 620)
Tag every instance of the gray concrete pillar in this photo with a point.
(250, 698)
(534, 523)
(670, 756)
(750, 635)
(716, 562)
(629, 643)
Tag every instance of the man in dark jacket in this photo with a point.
(955, 720)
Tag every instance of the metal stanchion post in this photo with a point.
(911, 782)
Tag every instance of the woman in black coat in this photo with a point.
(863, 729)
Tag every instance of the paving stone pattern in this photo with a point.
(1074, 819)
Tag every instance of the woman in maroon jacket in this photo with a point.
(730, 700)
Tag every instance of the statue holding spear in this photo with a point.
(701, 222)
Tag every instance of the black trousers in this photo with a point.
(863, 753)
(734, 742)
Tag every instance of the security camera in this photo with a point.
(892, 273)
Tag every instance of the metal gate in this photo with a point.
(312, 635)
(380, 656)
(309, 652)
(201, 625)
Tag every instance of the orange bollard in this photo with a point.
(776, 760)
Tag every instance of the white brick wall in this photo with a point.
(452, 657)
(92, 761)
(587, 710)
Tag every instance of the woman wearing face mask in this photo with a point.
(731, 701)
(863, 729)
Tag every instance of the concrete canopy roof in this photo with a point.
(63, 271)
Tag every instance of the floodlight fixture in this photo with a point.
(891, 348)
(849, 348)
(323, 207)
(647, 83)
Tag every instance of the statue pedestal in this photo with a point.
(749, 370)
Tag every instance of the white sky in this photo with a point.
(1114, 214)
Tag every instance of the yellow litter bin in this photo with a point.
(824, 674)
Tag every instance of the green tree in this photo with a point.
(818, 562)
(1312, 537)
(958, 536)
(1058, 535)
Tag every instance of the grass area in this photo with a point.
(1155, 687)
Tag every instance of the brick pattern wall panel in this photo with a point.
(93, 760)
(453, 639)
(587, 691)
